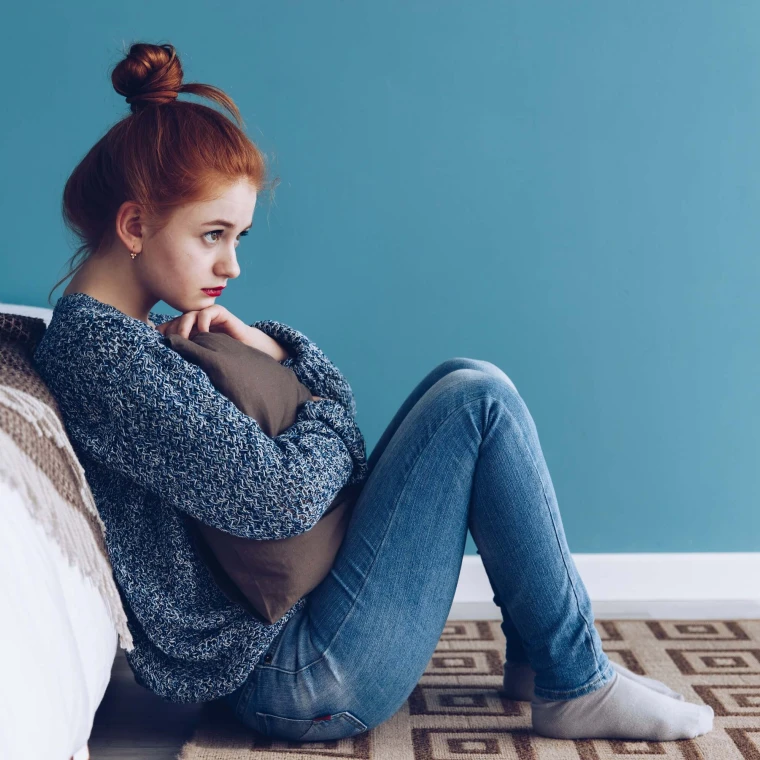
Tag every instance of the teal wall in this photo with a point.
(568, 190)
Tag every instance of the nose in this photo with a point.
(228, 266)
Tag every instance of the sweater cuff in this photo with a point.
(335, 416)
(295, 342)
(310, 364)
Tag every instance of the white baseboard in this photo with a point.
(643, 585)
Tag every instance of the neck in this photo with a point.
(102, 278)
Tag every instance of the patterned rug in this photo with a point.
(456, 713)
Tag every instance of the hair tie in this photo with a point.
(152, 97)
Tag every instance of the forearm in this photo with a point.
(309, 363)
(263, 342)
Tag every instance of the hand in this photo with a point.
(214, 318)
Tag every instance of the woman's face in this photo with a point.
(196, 249)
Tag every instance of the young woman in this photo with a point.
(160, 203)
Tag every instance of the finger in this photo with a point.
(216, 318)
(204, 321)
(186, 323)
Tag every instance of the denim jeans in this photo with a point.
(461, 452)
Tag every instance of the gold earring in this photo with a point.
(133, 254)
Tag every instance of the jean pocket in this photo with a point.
(339, 725)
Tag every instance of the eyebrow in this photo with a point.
(225, 223)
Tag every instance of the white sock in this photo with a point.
(621, 709)
(519, 678)
(652, 683)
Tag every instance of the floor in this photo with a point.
(134, 724)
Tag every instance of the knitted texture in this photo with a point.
(158, 442)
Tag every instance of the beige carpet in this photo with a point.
(455, 711)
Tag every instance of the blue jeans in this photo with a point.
(461, 452)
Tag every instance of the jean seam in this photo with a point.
(278, 639)
(385, 535)
(245, 695)
(589, 637)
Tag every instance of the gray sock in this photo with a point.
(650, 682)
(621, 709)
(519, 678)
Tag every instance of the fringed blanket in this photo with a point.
(37, 459)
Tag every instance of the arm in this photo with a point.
(310, 365)
(166, 427)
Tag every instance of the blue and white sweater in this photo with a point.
(158, 442)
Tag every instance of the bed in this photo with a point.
(59, 637)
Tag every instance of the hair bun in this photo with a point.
(150, 74)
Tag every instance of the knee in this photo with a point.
(466, 385)
(463, 362)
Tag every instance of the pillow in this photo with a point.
(267, 576)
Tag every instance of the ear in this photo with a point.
(130, 226)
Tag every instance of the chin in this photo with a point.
(186, 303)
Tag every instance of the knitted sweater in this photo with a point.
(158, 442)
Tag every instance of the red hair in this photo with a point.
(164, 154)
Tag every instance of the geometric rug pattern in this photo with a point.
(457, 713)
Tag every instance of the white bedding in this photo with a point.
(57, 641)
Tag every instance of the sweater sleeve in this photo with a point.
(166, 427)
(159, 318)
(310, 364)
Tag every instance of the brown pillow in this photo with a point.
(267, 576)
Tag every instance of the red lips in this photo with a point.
(212, 291)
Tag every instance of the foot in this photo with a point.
(650, 682)
(621, 709)
(519, 678)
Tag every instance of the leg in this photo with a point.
(519, 677)
(515, 649)
(360, 646)
(432, 377)
(353, 655)
(548, 602)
